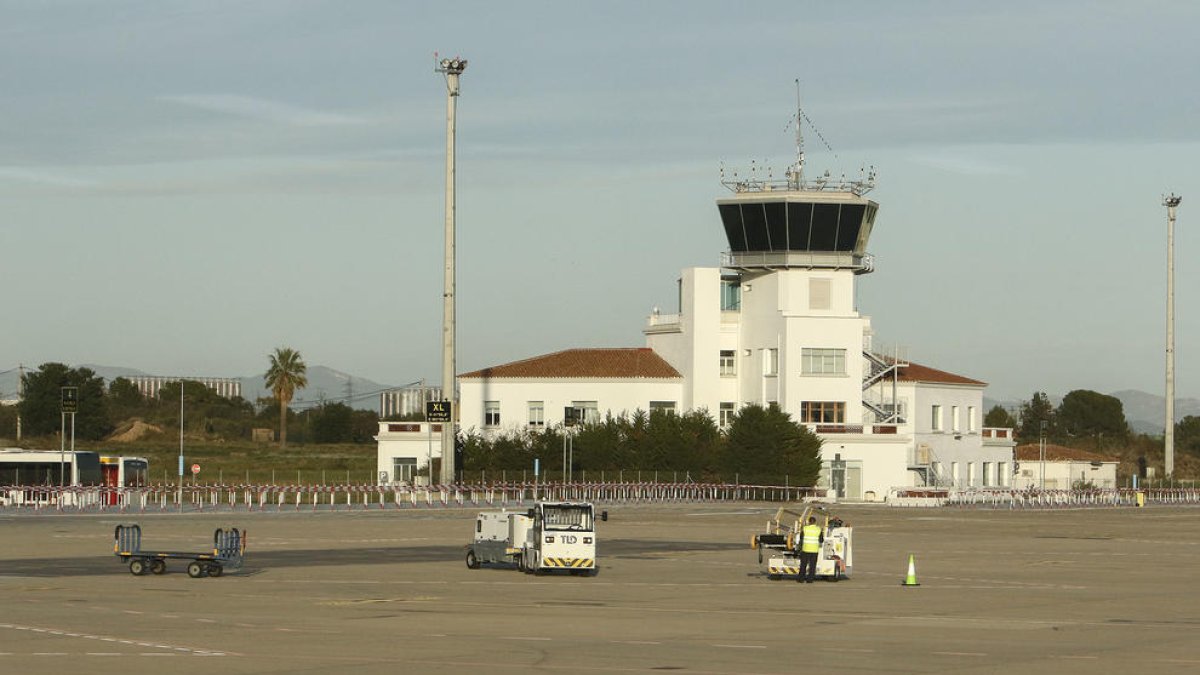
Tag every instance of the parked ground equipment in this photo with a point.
(228, 552)
(549, 536)
(782, 541)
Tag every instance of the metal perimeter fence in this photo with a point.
(362, 496)
(351, 496)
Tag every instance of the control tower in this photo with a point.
(795, 222)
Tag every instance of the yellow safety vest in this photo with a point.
(811, 543)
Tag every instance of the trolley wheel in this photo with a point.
(137, 567)
(215, 570)
(158, 566)
(195, 569)
(472, 561)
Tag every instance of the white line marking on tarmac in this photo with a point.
(741, 646)
(155, 654)
(847, 649)
(102, 653)
(49, 654)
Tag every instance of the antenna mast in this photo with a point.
(796, 173)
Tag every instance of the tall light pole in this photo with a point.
(1171, 203)
(451, 68)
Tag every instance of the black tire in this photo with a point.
(215, 570)
(195, 569)
(137, 567)
(521, 562)
(472, 561)
(158, 566)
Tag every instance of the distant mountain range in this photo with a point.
(1144, 412)
(324, 384)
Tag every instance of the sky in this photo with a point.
(185, 186)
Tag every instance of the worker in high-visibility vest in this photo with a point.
(810, 545)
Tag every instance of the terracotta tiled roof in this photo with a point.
(1058, 453)
(915, 372)
(629, 363)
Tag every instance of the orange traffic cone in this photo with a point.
(911, 579)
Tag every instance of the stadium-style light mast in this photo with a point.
(452, 69)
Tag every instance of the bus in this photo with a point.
(122, 472)
(49, 468)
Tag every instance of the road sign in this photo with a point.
(437, 411)
(70, 399)
(195, 469)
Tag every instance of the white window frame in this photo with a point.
(971, 428)
(956, 426)
(590, 411)
(770, 362)
(537, 414)
(725, 414)
(937, 417)
(666, 406)
(491, 414)
(822, 361)
(728, 363)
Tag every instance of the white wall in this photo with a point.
(611, 395)
(422, 445)
(1062, 475)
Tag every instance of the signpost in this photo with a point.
(442, 413)
(70, 405)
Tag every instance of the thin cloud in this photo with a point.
(262, 109)
(40, 177)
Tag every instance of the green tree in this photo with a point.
(332, 423)
(1090, 414)
(42, 404)
(765, 444)
(1034, 413)
(1187, 434)
(999, 417)
(286, 374)
(125, 400)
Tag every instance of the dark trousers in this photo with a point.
(808, 561)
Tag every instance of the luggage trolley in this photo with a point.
(229, 550)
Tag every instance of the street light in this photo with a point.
(1171, 202)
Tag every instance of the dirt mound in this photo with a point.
(133, 430)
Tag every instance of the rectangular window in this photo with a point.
(823, 412)
(589, 411)
(822, 361)
(537, 414)
(665, 406)
(728, 408)
(728, 363)
(491, 413)
(955, 479)
(1002, 474)
(970, 474)
(937, 418)
(731, 295)
(770, 362)
(955, 425)
(403, 469)
(987, 474)
(971, 419)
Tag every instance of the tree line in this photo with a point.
(760, 445)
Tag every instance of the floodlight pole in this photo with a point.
(1171, 202)
(452, 69)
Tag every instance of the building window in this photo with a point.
(955, 425)
(987, 474)
(725, 419)
(589, 411)
(728, 363)
(403, 469)
(1002, 474)
(970, 474)
(731, 295)
(823, 412)
(937, 418)
(971, 419)
(537, 414)
(822, 361)
(770, 362)
(491, 413)
(664, 406)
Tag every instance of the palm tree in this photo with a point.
(284, 377)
